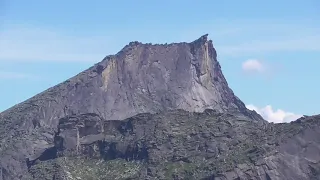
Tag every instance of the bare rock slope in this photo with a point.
(93, 118)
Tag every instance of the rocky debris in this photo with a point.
(174, 145)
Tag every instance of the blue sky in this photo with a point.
(269, 50)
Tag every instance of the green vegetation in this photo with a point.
(80, 168)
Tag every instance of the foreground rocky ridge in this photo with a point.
(181, 145)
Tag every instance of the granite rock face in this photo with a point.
(140, 78)
(137, 115)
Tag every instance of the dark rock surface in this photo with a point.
(136, 115)
(183, 145)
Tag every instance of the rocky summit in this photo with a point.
(152, 112)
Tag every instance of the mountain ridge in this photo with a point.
(142, 82)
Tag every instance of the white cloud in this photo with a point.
(16, 75)
(276, 116)
(253, 65)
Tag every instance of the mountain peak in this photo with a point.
(176, 75)
(141, 78)
(203, 38)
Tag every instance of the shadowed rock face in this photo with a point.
(141, 78)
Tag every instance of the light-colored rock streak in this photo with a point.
(205, 76)
(78, 140)
(106, 73)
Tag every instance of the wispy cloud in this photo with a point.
(236, 38)
(37, 44)
(307, 43)
(15, 75)
(251, 37)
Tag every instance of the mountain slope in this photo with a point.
(141, 78)
(181, 145)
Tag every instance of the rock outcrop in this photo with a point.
(182, 145)
(151, 112)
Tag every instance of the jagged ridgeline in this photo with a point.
(152, 112)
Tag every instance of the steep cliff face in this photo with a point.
(140, 78)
